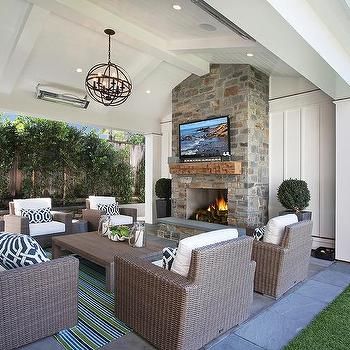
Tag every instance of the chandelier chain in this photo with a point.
(109, 48)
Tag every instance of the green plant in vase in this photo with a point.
(119, 232)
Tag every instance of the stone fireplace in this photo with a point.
(241, 92)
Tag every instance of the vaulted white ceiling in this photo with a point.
(44, 41)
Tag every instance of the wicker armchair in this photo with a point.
(92, 216)
(280, 267)
(38, 301)
(19, 224)
(176, 312)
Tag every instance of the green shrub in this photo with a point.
(63, 162)
(294, 194)
(163, 188)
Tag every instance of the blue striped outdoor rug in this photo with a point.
(97, 325)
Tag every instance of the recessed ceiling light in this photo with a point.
(207, 27)
(177, 7)
(79, 70)
(148, 91)
(250, 54)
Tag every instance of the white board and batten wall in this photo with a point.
(302, 145)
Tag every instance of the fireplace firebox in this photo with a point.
(208, 205)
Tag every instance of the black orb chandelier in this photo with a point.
(108, 83)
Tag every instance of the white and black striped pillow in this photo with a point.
(168, 257)
(37, 216)
(109, 209)
(259, 233)
(20, 250)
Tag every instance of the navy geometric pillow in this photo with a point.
(37, 216)
(259, 233)
(109, 209)
(168, 257)
(20, 250)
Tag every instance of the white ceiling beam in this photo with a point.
(272, 31)
(301, 16)
(128, 33)
(144, 71)
(22, 48)
(182, 46)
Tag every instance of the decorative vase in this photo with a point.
(138, 237)
(104, 225)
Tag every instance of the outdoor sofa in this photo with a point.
(37, 301)
(16, 223)
(176, 312)
(280, 266)
(92, 214)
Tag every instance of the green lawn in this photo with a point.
(330, 330)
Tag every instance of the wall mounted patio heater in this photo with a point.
(54, 95)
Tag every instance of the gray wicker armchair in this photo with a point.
(280, 267)
(176, 312)
(19, 224)
(92, 216)
(38, 301)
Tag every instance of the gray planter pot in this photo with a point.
(302, 215)
(163, 207)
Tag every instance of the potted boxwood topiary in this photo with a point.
(294, 195)
(163, 192)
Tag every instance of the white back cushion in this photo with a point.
(96, 200)
(275, 228)
(31, 203)
(182, 261)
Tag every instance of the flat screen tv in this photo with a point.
(204, 138)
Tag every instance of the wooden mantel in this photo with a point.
(207, 168)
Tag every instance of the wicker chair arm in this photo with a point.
(92, 216)
(16, 224)
(38, 301)
(262, 250)
(145, 289)
(65, 218)
(129, 212)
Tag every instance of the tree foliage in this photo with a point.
(61, 161)
(294, 194)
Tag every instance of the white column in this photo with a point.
(166, 146)
(342, 235)
(152, 174)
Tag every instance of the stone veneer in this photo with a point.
(241, 92)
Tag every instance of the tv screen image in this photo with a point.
(205, 138)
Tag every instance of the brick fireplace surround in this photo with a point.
(241, 92)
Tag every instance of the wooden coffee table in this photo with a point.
(101, 251)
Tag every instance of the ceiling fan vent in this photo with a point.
(222, 19)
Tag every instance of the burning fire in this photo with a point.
(219, 204)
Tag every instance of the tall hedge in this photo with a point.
(61, 161)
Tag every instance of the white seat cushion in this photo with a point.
(121, 220)
(96, 200)
(31, 203)
(46, 228)
(275, 228)
(181, 264)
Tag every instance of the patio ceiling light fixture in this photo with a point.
(108, 83)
